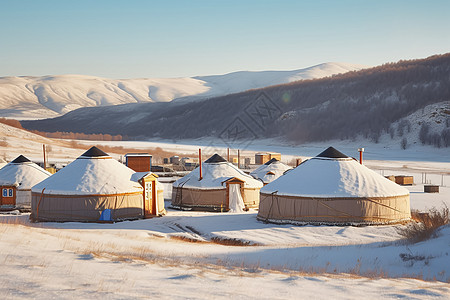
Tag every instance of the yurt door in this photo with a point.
(8, 196)
(235, 200)
(148, 198)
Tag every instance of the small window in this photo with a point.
(7, 192)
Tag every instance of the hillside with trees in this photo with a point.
(359, 103)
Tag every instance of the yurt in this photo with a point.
(333, 188)
(16, 180)
(94, 187)
(270, 171)
(217, 186)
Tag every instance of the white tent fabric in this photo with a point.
(90, 176)
(268, 173)
(236, 202)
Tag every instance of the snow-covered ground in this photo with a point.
(159, 258)
(182, 255)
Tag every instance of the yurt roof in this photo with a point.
(276, 167)
(22, 173)
(93, 152)
(215, 171)
(331, 152)
(20, 159)
(216, 158)
(93, 173)
(333, 174)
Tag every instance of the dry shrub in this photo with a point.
(186, 239)
(232, 242)
(425, 224)
(4, 143)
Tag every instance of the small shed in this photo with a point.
(262, 158)
(139, 162)
(152, 193)
(404, 180)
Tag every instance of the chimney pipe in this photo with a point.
(45, 161)
(200, 162)
(239, 160)
(361, 150)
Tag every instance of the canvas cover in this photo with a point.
(209, 199)
(82, 208)
(236, 203)
(289, 209)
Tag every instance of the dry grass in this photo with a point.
(425, 224)
(232, 242)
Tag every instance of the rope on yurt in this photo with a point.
(373, 201)
(37, 209)
(271, 206)
(179, 195)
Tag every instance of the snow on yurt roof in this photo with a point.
(333, 174)
(22, 173)
(270, 171)
(93, 173)
(215, 171)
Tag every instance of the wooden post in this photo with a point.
(45, 161)
(239, 160)
(154, 200)
(228, 154)
(200, 162)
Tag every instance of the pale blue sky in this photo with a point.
(128, 39)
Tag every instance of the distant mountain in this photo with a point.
(50, 96)
(367, 103)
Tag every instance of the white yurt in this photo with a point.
(16, 180)
(93, 184)
(270, 171)
(333, 188)
(222, 187)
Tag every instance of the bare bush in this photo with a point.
(425, 224)
(232, 242)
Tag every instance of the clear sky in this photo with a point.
(130, 38)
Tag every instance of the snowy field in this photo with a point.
(184, 255)
(188, 254)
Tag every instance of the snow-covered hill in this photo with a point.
(50, 96)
